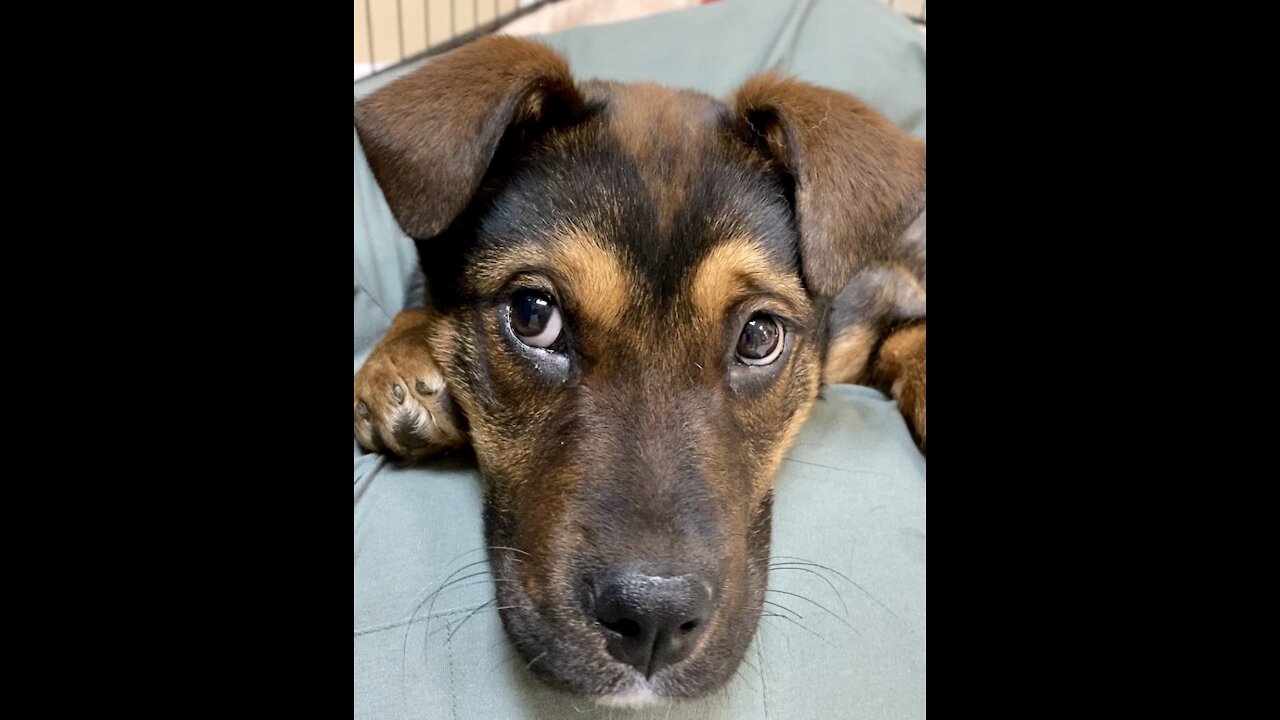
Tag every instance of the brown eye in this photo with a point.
(761, 340)
(535, 319)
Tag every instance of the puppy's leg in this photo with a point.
(898, 370)
(877, 330)
(402, 406)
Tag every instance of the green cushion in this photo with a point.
(850, 496)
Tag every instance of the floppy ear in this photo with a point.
(430, 135)
(859, 180)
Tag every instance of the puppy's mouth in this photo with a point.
(632, 633)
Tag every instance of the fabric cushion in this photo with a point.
(851, 495)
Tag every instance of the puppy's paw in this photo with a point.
(909, 392)
(901, 369)
(402, 406)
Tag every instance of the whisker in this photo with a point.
(502, 662)
(850, 580)
(459, 556)
(438, 585)
(819, 606)
(764, 700)
(471, 614)
(404, 650)
(802, 462)
(746, 682)
(835, 467)
(793, 560)
(874, 599)
(824, 579)
(515, 654)
(536, 658)
(408, 627)
(504, 547)
(464, 586)
(451, 582)
(784, 607)
(805, 628)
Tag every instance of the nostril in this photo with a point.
(625, 627)
(649, 620)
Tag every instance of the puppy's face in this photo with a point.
(632, 323)
(634, 349)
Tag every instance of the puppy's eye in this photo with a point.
(761, 340)
(535, 319)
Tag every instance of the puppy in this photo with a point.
(636, 294)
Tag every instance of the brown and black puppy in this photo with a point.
(636, 294)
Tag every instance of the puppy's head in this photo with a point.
(630, 285)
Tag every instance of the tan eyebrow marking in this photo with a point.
(592, 276)
(734, 266)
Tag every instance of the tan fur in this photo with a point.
(848, 353)
(402, 385)
(600, 284)
(736, 266)
(733, 269)
(909, 291)
(900, 371)
(883, 296)
(777, 451)
(658, 127)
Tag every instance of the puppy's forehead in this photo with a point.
(662, 128)
(631, 205)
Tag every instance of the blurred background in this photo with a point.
(390, 32)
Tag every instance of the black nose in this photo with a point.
(650, 621)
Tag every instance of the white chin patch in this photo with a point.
(634, 698)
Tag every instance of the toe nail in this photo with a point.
(362, 409)
(398, 392)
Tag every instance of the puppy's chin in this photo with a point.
(567, 651)
(640, 695)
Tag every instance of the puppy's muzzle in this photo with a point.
(649, 620)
